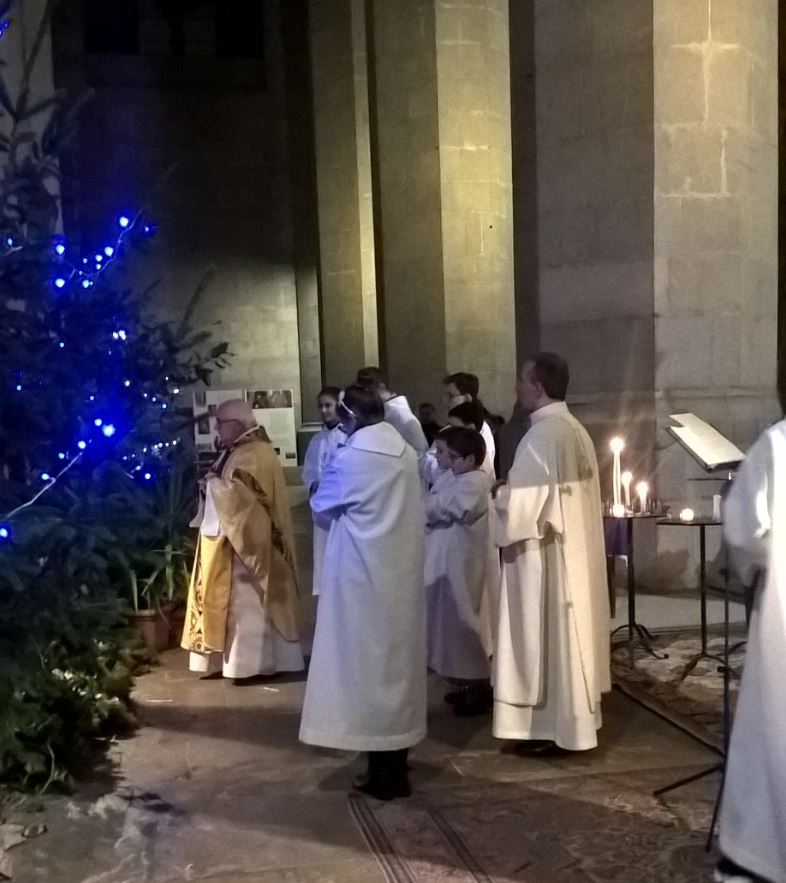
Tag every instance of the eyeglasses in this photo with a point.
(220, 422)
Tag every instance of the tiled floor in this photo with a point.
(216, 787)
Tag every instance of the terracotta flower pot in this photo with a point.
(153, 628)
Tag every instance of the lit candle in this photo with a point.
(643, 489)
(687, 515)
(618, 510)
(627, 478)
(617, 446)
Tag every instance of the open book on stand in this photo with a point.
(703, 442)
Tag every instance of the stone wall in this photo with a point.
(223, 122)
(594, 120)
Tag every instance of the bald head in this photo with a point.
(233, 418)
(239, 410)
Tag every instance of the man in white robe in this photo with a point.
(320, 452)
(465, 387)
(366, 687)
(753, 814)
(552, 657)
(397, 410)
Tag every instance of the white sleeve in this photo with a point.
(528, 505)
(747, 513)
(311, 463)
(456, 503)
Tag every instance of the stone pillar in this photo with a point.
(302, 180)
(441, 118)
(594, 122)
(347, 285)
(716, 227)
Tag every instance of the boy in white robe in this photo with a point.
(753, 813)
(457, 536)
(320, 452)
(465, 387)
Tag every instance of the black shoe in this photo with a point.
(727, 871)
(454, 696)
(383, 789)
(539, 748)
(474, 701)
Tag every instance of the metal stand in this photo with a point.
(725, 669)
(638, 634)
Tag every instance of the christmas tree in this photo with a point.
(94, 451)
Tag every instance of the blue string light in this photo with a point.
(5, 533)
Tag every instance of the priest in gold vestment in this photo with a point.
(242, 614)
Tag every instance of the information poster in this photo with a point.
(273, 409)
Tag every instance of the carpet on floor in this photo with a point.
(576, 829)
(683, 691)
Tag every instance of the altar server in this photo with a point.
(470, 415)
(753, 814)
(366, 687)
(552, 657)
(320, 452)
(465, 387)
(243, 602)
(459, 609)
(397, 410)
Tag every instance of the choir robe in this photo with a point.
(399, 414)
(457, 601)
(320, 452)
(552, 657)
(243, 601)
(753, 813)
(491, 449)
(366, 688)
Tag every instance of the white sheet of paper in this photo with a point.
(211, 523)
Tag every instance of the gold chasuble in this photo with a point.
(250, 499)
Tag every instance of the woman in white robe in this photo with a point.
(366, 688)
(320, 452)
(753, 814)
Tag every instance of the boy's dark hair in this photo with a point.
(466, 384)
(551, 372)
(371, 377)
(365, 404)
(465, 442)
(469, 412)
(330, 391)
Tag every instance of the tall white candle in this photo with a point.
(617, 446)
(627, 478)
(643, 489)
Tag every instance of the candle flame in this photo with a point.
(626, 478)
(617, 445)
(687, 515)
(642, 488)
(618, 510)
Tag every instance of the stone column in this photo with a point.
(715, 231)
(441, 117)
(347, 285)
(594, 123)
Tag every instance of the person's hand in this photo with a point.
(500, 482)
